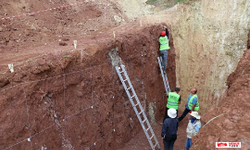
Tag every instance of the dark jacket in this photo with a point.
(170, 128)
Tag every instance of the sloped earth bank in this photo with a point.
(73, 99)
(60, 25)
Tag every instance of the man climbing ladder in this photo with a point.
(164, 47)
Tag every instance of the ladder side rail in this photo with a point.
(128, 93)
(162, 74)
(135, 108)
(144, 116)
(152, 132)
(125, 86)
(167, 83)
(133, 91)
(166, 80)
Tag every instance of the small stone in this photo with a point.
(79, 93)
(41, 61)
(63, 44)
(228, 124)
(33, 27)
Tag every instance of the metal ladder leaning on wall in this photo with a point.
(164, 77)
(122, 73)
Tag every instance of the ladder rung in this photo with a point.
(151, 137)
(136, 104)
(155, 144)
(125, 80)
(121, 71)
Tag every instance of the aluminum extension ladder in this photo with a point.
(122, 73)
(164, 77)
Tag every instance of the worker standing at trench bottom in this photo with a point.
(164, 47)
(192, 103)
(173, 101)
(169, 130)
(193, 128)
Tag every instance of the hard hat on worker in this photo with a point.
(195, 114)
(172, 113)
(163, 33)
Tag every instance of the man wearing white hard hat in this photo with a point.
(169, 129)
(192, 128)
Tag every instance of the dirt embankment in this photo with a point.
(65, 98)
(59, 25)
(74, 99)
(233, 125)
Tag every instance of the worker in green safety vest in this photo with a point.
(164, 47)
(174, 99)
(192, 103)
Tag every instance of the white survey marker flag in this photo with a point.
(11, 67)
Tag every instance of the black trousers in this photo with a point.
(166, 114)
(186, 111)
(169, 142)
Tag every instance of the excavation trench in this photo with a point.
(73, 98)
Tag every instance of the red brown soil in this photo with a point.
(48, 98)
(44, 28)
(46, 103)
(139, 142)
(233, 126)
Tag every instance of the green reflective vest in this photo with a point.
(164, 43)
(190, 103)
(173, 100)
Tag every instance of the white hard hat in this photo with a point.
(195, 114)
(172, 113)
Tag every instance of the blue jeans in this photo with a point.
(188, 143)
(164, 56)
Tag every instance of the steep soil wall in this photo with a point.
(210, 39)
(233, 125)
(73, 99)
